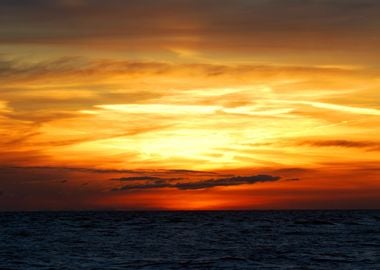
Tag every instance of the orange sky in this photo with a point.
(189, 104)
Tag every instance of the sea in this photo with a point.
(191, 240)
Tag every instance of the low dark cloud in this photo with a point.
(144, 178)
(41, 178)
(41, 188)
(294, 170)
(292, 179)
(233, 181)
(137, 178)
(149, 185)
(22, 175)
(53, 169)
(191, 172)
(202, 184)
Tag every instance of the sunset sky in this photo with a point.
(189, 105)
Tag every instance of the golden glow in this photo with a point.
(163, 95)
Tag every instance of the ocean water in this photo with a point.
(191, 240)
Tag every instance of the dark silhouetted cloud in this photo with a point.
(137, 178)
(202, 184)
(292, 179)
(149, 185)
(233, 181)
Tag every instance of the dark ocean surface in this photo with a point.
(191, 240)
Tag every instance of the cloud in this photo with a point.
(202, 184)
(294, 170)
(86, 70)
(137, 178)
(343, 108)
(86, 188)
(53, 169)
(370, 145)
(39, 91)
(46, 174)
(233, 181)
(182, 171)
(151, 185)
(292, 179)
(17, 175)
(208, 23)
(42, 177)
(151, 129)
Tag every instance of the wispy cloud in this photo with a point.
(370, 145)
(144, 178)
(344, 108)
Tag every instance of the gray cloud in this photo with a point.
(202, 184)
(262, 23)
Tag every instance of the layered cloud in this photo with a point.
(189, 99)
(247, 25)
(174, 115)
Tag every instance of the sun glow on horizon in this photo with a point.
(233, 105)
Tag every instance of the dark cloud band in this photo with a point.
(203, 184)
(208, 23)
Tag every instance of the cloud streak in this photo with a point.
(370, 145)
(144, 178)
(203, 184)
(82, 68)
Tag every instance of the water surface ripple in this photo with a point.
(190, 240)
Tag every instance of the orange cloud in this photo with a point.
(192, 99)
